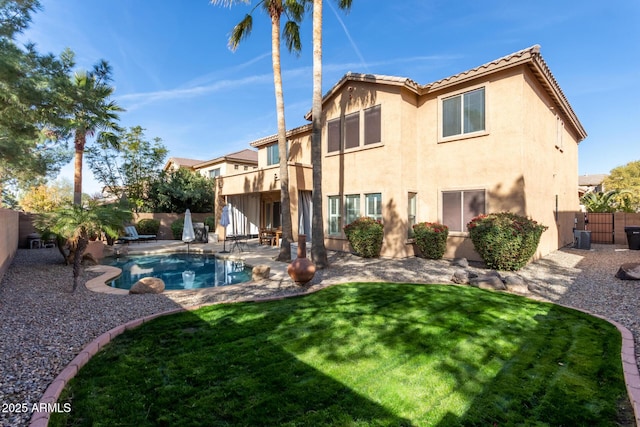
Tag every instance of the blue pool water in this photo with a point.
(179, 270)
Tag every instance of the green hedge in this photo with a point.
(176, 228)
(431, 239)
(148, 226)
(211, 222)
(365, 236)
(504, 240)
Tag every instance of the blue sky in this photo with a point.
(176, 77)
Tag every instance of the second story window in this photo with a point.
(372, 125)
(345, 133)
(333, 135)
(214, 173)
(464, 113)
(273, 155)
(352, 130)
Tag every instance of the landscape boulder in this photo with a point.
(629, 271)
(516, 284)
(260, 272)
(488, 281)
(460, 262)
(148, 285)
(460, 276)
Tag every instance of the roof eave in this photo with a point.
(368, 78)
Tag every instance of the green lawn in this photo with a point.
(361, 354)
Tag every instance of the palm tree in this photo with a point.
(294, 10)
(318, 250)
(91, 110)
(604, 202)
(75, 225)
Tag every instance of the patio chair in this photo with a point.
(132, 235)
(266, 236)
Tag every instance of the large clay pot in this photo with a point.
(302, 269)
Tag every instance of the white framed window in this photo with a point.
(464, 113)
(373, 206)
(273, 155)
(460, 207)
(334, 214)
(214, 173)
(412, 200)
(351, 208)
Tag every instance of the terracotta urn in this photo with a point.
(302, 269)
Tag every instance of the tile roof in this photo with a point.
(247, 156)
(181, 162)
(274, 138)
(591, 180)
(529, 57)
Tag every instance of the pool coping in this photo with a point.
(108, 273)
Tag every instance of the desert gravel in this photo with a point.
(44, 326)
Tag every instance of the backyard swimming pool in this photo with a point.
(179, 270)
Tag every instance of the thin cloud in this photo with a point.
(198, 81)
(353, 44)
(138, 100)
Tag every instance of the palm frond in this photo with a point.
(291, 36)
(240, 32)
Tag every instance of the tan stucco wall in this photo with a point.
(228, 168)
(267, 182)
(9, 233)
(516, 160)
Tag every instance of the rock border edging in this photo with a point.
(51, 395)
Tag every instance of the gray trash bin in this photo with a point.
(582, 239)
(633, 237)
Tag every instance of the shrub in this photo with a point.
(176, 228)
(365, 236)
(431, 239)
(148, 226)
(504, 240)
(211, 222)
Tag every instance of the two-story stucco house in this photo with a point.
(499, 137)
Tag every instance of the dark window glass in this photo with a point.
(460, 207)
(352, 130)
(372, 128)
(333, 136)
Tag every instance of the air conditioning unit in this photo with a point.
(582, 239)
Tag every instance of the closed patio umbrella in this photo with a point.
(188, 235)
(224, 221)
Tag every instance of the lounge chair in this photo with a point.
(133, 236)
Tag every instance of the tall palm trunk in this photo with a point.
(318, 250)
(79, 142)
(287, 231)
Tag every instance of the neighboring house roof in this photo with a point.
(274, 138)
(591, 180)
(590, 183)
(530, 57)
(181, 162)
(245, 156)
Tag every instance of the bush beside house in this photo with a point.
(504, 240)
(431, 239)
(365, 236)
